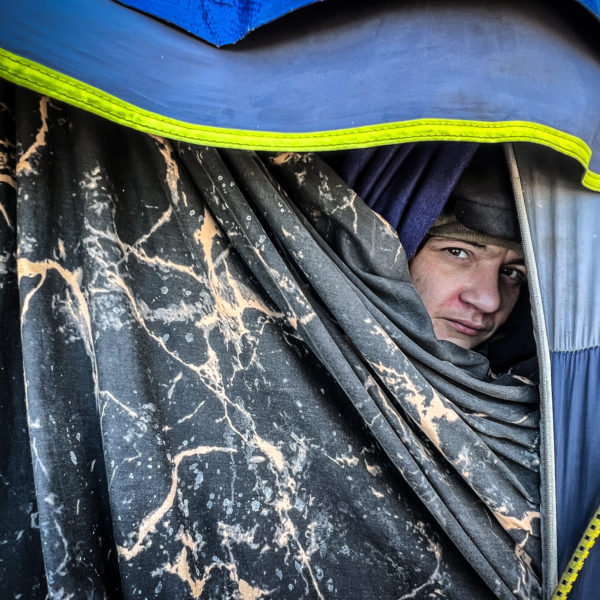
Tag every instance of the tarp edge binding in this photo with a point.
(44, 80)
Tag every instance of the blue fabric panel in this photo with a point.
(216, 21)
(222, 23)
(576, 390)
(324, 70)
(564, 220)
(592, 5)
(407, 184)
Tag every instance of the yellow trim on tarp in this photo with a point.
(44, 80)
(586, 543)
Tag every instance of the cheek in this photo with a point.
(420, 281)
(435, 288)
(514, 297)
(433, 295)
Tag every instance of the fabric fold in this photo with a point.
(233, 389)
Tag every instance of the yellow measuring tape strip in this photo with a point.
(581, 553)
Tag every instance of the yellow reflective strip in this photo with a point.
(584, 546)
(62, 87)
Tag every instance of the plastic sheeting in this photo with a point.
(369, 74)
(564, 223)
(593, 6)
(216, 21)
(227, 22)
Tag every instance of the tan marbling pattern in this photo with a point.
(205, 421)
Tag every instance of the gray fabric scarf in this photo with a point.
(233, 390)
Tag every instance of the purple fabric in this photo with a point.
(407, 184)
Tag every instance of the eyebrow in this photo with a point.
(442, 238)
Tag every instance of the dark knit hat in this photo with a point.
(447, 225)
(481, 208)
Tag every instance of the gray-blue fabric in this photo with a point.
(564, 221)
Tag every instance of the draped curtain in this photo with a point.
(565, 218)
(219, 382)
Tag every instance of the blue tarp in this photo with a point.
(222, 23)
(216, 21)
(592, 5)
(564, 223)
(340, 80)
(359, 69)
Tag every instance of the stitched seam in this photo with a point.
(107, 105)
(596, 347)
(102, 97)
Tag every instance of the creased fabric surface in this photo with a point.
(232, 388)
(565, 219)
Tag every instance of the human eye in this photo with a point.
(458, 252)
(514, 274)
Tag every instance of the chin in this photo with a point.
(466, 342)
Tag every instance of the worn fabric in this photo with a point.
(447, 225)
(216, 21)
(565, 219)
(407, 184)
(331, 76)
(227, 22)
(231, 388)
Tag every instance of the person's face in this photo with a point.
(468, 290)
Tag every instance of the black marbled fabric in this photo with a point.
(218, 382)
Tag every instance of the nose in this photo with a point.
(481, 290)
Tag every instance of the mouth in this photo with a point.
(466, 327)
